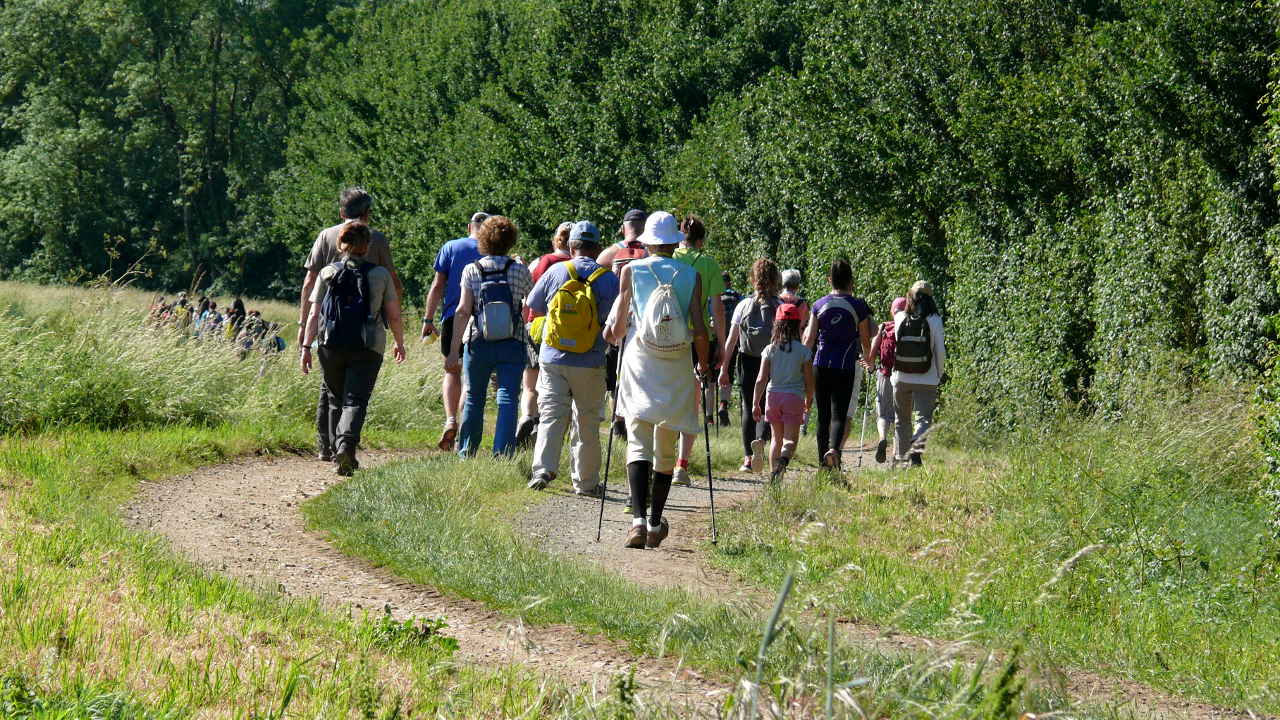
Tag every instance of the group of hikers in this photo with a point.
(245, 330)
(649, 320)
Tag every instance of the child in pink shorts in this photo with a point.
(786, 371)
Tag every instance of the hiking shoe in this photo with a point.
(447, 437)
(324, 456)
(654, 538)
(881, 449)
(637, 537)
(345, 464)
(917, 459)
(757, 456)
(746, 465)
(681, 477)
(831, 460)
(779, 470)
(724, 414)
(595, 493)
(540, 480)
(525, 434)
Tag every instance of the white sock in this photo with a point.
(637, 522)
(656, 528)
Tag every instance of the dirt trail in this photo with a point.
(243, 518)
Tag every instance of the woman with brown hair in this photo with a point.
(357, 301)
(750, 332)
(493, 292)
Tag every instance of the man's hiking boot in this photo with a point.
(525, 434)
(681, 477)
(637, 537)
(345, 464)
(654, 538)
(917, 459)
(540, 480)
(757, 456)
(595, 493)
(724, 414)
(881, 449)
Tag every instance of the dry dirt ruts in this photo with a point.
(243, 519)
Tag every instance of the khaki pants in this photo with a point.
(922, 399)
(647, 442)
(564, 392)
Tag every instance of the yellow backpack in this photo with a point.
(573, 322)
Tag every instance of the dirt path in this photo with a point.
(243, 519)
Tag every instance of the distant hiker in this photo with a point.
(575, 297)
(786, 372)
(791, 282)
(884, 351)
(729, 298)
(919, 362)
(353, 301)
(711, 278)
(528, 423)
(658, 394)
(354, 204)
(750, 332)
(615, 257)
(488, 322)
(839, 332)
(446, 290)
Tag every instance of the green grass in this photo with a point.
(1177, 587)
(448, 523)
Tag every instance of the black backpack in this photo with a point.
(915, 346)
(756, 330)
(345, 311)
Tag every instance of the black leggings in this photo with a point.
(748, 371)
(833, 389)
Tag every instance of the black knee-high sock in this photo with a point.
(661, 489)
(638, 480)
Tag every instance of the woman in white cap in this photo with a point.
(658, 397)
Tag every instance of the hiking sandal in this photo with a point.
(448, 437)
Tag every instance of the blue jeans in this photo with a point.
(480, 360)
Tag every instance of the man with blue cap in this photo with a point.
(576, 296)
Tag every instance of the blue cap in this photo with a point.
(584, 232)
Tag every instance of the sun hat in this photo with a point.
(584, 232)
(788, 311)
(900, 305)
(479, 217)
(661, 228)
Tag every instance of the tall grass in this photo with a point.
(93, 361)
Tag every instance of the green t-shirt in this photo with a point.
(711, 274)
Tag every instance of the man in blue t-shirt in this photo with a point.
(572, 377)
(447, 288)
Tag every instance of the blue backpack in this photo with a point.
(345, 309)
(838, 322)
(496, 306)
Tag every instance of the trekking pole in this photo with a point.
(711, 483)
(862, 438)
(608, 456)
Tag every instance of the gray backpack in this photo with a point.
(756, 329)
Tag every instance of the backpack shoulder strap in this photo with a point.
(573, 271)
(597, 274)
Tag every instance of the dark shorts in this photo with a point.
(446, 336)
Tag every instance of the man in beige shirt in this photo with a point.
(353, 204)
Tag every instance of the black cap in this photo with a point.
(634, 216)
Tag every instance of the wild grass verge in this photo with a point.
(1138, 549)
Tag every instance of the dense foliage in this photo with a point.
(1087, 182)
